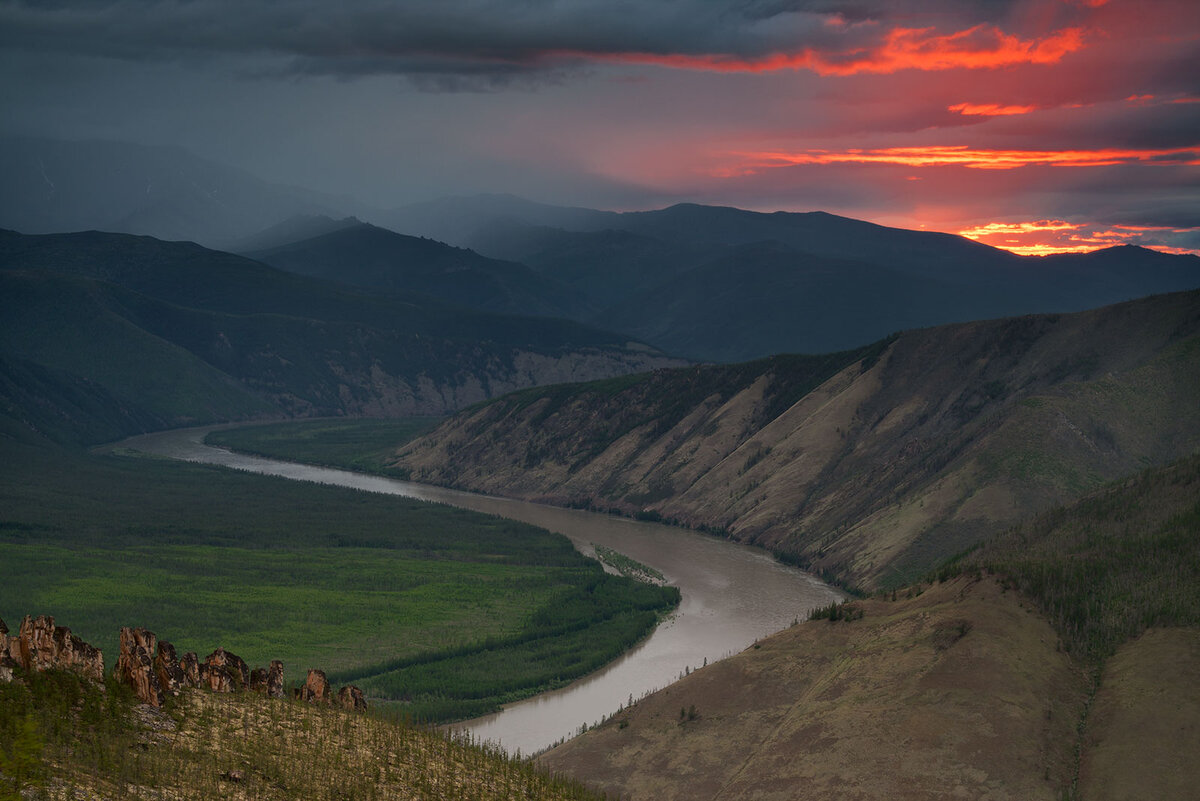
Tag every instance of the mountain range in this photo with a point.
(105, 335)
(701, 282)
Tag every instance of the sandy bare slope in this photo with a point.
(960, 692)
(870, 471)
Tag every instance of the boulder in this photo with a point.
(258, 680)
(316, 688)
(352, 698)
(135, 664)
(275, 679)
(166, 666)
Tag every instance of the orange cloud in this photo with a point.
(963, 156)
(1048, 237)
(983, 46)
(979, 47)
(996, 229)
(989, 109)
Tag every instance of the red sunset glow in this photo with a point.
(963, 156)
(979, 47)
(942, 116)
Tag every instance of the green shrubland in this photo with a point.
(1103, 570)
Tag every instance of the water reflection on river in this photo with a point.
(732, 595)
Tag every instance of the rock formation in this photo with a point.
(166, 666)
(41, 645)
(7, 663)
(316, 688)
(189, 664)
(226, 672)
(135, 664)
(150, 666)
(351, 698)
(275, 679)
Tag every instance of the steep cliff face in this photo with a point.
(378, 390)
(870, 465)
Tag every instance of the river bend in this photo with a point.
(731, 594)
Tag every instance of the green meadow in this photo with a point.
(478, 610)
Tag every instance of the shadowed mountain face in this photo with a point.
(106, 335)
(724, 284)
(869, 465)
(375, 258)
(702, 282)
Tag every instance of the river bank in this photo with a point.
(732, 594)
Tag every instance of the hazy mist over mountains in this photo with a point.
(703, 282)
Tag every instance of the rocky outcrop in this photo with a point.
(275, 679)
(135, 664)
(189, 664)
(7, 663)
(225, 672)
(151, 668)
(41, 645)
(351, 698)
(166, 666)
(316, 688)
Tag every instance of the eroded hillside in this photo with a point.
(869, 466)
(957, 693)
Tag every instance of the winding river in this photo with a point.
(732, 594)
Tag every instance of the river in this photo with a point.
(731, 594)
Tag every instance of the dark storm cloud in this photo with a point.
(465, 37)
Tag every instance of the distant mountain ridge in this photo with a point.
(105, 335)
(363, 255)
(724, 284)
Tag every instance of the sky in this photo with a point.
(1040, 126)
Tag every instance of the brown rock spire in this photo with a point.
(135, 664)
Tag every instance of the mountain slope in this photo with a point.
(902, 455)
(959, 688)
(375, 258)
(896, 705)
(164, 334)
(293, 229)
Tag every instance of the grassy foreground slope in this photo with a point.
(317, 576)
(869, 466)
(62, 738)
